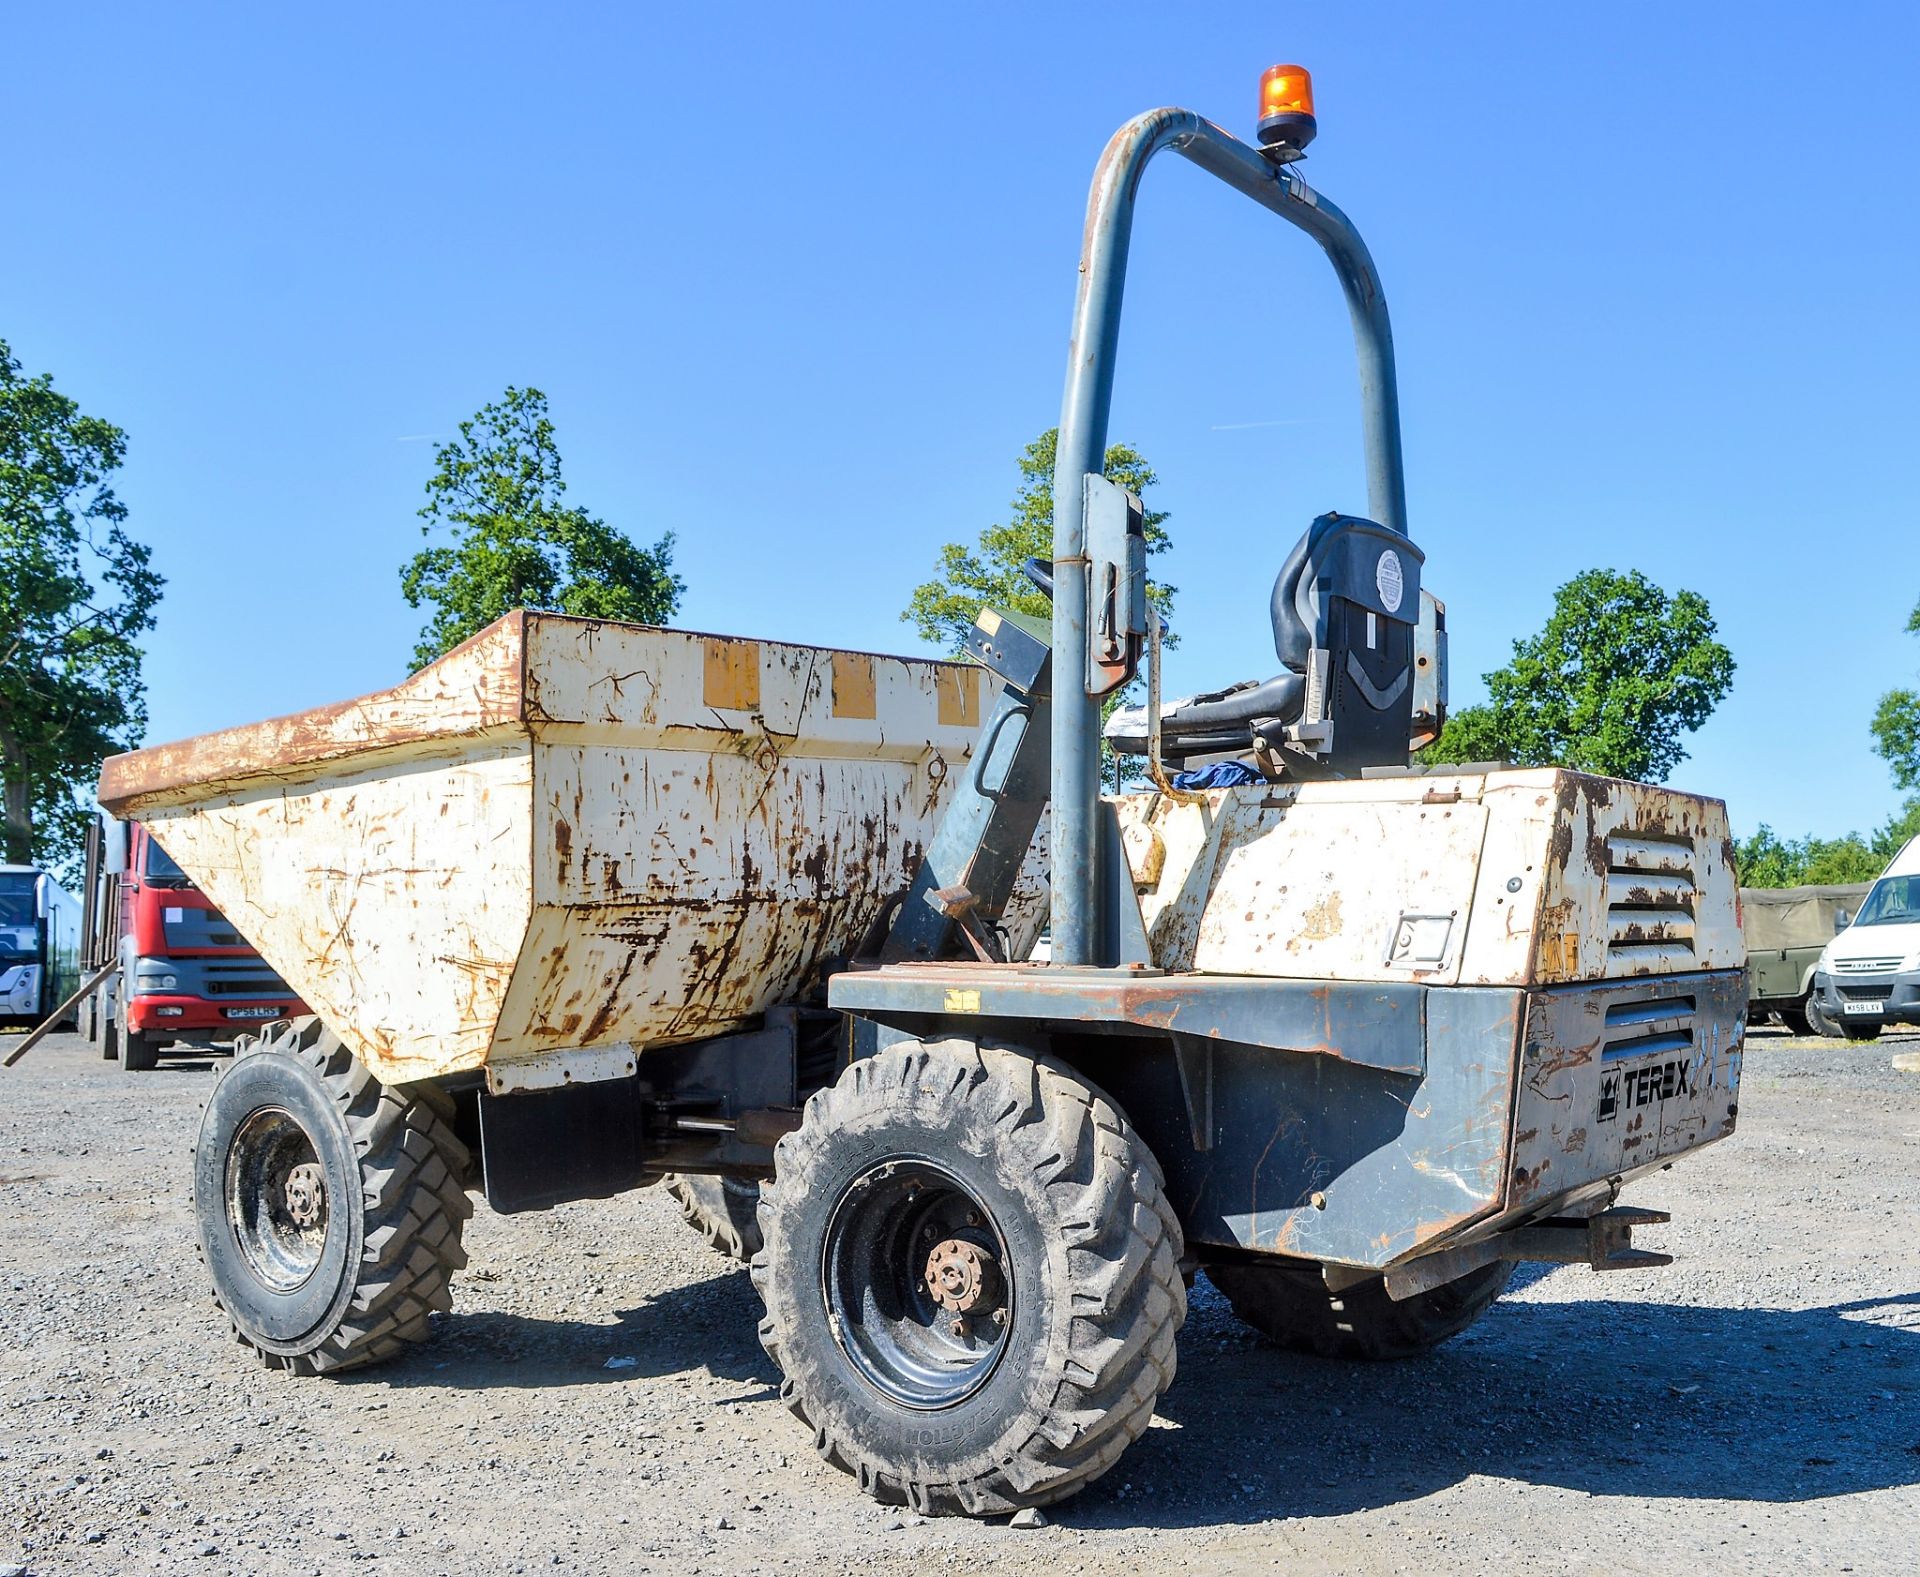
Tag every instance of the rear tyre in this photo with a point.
(1292, 1307)
(971, 1277)
(1796, 1021)
(139, 1051)
(329, 1205)
(723, 1210)
(1819, 1022)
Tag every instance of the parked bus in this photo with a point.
(39, 944)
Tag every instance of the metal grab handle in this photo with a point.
(1040, 572)
(985, 753)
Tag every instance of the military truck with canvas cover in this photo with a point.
(1787, 929)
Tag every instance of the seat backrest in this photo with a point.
(1344, 609)
(1293, 609)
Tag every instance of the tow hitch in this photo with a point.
(1604, 1241)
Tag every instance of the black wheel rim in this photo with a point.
(919, 1286)
(276, 1199)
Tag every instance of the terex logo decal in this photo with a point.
(1636, 1087)
(1609, 1097)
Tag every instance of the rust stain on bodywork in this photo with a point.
(473, 691)
(1322, 920)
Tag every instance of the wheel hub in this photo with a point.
(307, 1195)
(961, 1276)
(920, 1289)
(276, 1198)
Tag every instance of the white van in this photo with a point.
(1869, 975)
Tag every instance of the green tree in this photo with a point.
(942, 609)
(1619, 675)
(1767, 860)
(76, 593)
(1901, 829)
(1896, 726)
(991, 571)
(511, 542)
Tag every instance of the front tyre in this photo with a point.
(329, 1205)
(1820, 1021)
(971, 1277)
(139, 1051)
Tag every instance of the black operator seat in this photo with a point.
(1344, 608)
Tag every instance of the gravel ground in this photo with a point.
(598, 1401)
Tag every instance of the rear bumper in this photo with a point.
(1616, 1078)
(1620, 1077)
(1890, 998)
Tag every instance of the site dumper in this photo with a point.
(584, 905)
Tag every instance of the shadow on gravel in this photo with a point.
(1639, 1401)
(707, 1325)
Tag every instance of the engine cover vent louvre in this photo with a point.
(1653, 895)
(1643, 1027)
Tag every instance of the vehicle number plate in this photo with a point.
(1875, 1008)
(253, 1012)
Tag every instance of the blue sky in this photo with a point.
(797, 284)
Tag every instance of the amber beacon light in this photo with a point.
(1286, 109)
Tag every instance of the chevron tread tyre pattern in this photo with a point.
(1109, 1279)
(413, 1205)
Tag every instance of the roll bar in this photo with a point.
(1083, 446)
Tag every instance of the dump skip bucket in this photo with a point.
(565, 833)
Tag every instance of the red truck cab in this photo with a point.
(185, 975)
